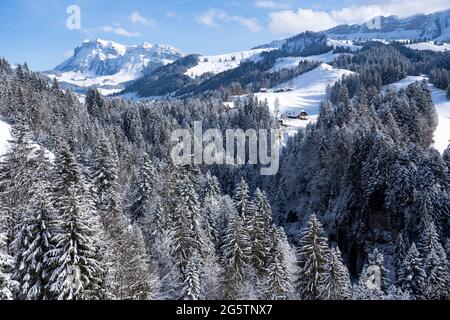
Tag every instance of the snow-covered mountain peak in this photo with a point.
(98, 57)
(105, 44)
(108, 64)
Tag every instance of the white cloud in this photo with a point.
(119, 31)
(269, 4)
(137, 18)
(171, 14)
(212, 18)
(289, 21)
(251, 24)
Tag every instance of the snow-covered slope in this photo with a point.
(309, 90)
(220, 63)
(434, 26)
(442, 104)
(430, 46)
(5, 136)
(107, 64)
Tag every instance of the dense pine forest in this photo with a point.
(92, 208)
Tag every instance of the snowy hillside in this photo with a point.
(220, 63)
(430, 46)
(442, 104)
(309, 90)
(107, 64)
(5, 136)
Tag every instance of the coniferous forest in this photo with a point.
(93, 208)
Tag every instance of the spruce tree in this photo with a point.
(236, 256)
(334, 283)
(191, 289)
(78, 273)
(242, 201)
(211, 197)
(435, 262)
(260, 233)
(412, 276)
(368, 286)
(400, 252)
(186, 224)
(140, 204)
(278, 281)
(17, 168)
(105, 180)
(376, 259)
(130, 276)
(209, 268)
(169, 274)
(312, 254)
(35, 236)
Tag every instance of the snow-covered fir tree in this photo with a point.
(236, 258)
(278, 282)
(105, 179)
(186, 225)
(313, 254)
(78, 269)
(211, 197)
(435, 262)
(170, 278)
(35, 236)
(374, 283)
(130, 276)
(412, 276)
(400, 252)
(16, 176)
(140, 203)
(334, 284)
(242, 201)
(261, 224)
(192, 288)
(184, 232)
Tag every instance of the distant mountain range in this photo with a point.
(435, 26)
(112, 67)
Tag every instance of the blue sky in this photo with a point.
(35, 31)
